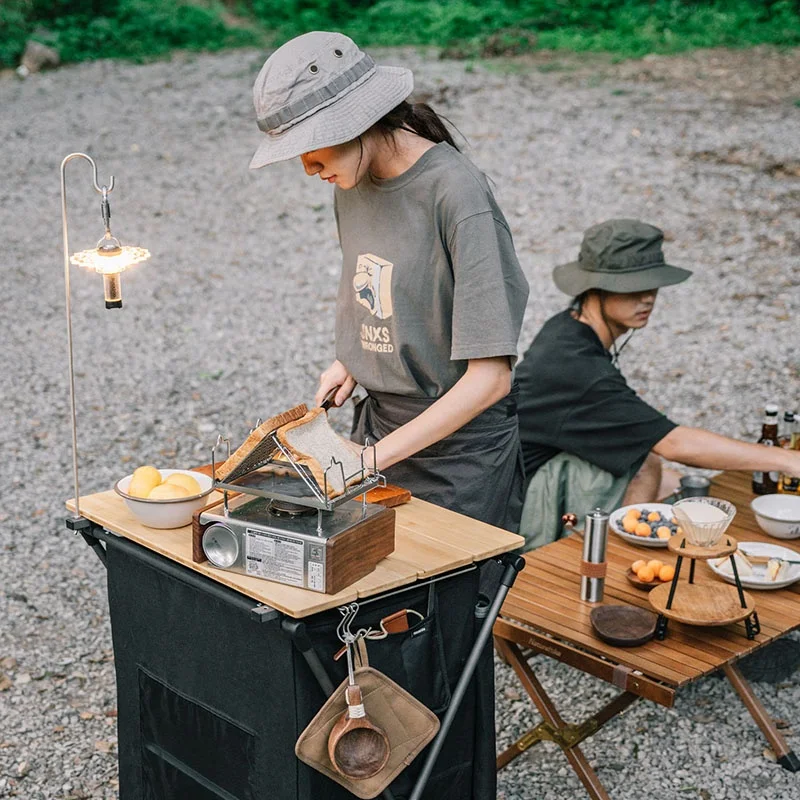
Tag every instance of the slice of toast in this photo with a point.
(388, 496)
(314, 444)
(258, 447)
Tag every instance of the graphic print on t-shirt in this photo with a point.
(372, 284)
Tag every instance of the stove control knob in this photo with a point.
(221, 545)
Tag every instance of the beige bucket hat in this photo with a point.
(319, 90)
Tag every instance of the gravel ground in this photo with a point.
(233, 318)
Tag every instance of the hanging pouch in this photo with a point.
(408, 725)
(415, 657)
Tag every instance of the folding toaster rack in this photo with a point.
(280, 482)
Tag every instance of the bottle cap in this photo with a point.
(771, 410)
(788, 416)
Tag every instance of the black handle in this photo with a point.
(329, 398)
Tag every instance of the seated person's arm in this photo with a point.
(697, 447)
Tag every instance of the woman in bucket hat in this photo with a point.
(431, 296)
(587, 439)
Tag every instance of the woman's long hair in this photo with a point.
(417, 118)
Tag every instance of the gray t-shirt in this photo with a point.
(429, 279)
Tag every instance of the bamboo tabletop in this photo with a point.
(429, 541)
(546, 597)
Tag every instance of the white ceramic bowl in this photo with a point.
(778, 514)
(166, 513)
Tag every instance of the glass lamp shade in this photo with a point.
(110, 260)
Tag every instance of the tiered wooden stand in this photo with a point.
(703, 604)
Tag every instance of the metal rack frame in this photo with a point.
(368, 478)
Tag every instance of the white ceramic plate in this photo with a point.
(615, 522)
(759, 579)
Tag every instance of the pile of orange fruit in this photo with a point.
(648, 571)
(653, 525)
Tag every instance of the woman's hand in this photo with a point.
(335, 375)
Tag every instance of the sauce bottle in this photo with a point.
(787, 429)
(787, 483)
(767, 482)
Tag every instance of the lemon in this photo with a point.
(168, 491)
(143, 481)
(187, 481)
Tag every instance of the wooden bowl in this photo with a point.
(357, 748)
(634, 579)
(623, 626)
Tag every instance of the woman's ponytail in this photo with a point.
(417, 118)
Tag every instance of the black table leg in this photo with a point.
(514, 564)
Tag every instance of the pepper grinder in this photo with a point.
(593, 564)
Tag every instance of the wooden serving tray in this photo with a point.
(713, 604)
(681, 547)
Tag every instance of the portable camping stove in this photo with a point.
(284, 527)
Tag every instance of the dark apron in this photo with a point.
(475, 471)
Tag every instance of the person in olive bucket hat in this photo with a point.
(587, 439)
(431, 297)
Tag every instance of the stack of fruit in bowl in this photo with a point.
(647, 574)
(150, 483)
(164, 498)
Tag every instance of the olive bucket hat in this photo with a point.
(319, 90)
(619, 255)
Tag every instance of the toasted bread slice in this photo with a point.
(777, 569)
(743, 565)
(315, 445)
(388, 496)
(258, 447)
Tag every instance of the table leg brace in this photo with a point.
(548, 711)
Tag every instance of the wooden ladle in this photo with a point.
(357, 748)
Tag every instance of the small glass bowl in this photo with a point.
(704, 534)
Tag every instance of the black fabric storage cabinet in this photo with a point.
(211, 701)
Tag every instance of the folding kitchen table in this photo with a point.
(219, 672)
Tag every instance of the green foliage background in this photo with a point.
(82, 30)
(138, 29)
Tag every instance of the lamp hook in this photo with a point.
(97, 187)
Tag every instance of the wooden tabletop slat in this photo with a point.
(727, 642)
(685, 636)
(618, 587)
(670, 671)
(685, 647)
(546, 597)
(429, 540)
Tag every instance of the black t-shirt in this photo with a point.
(573, 399)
